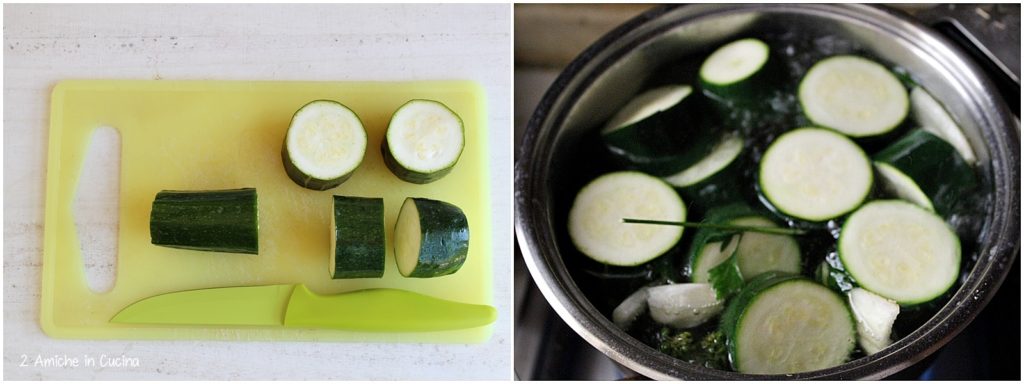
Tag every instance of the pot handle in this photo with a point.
(990, 34)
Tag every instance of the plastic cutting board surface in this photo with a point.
(196, 135)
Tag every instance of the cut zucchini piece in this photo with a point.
(595, 219)
(683, 305)
(722, 155)
(783, 323)
(357, 238)
(922, 168)
(425, 139)
(431, 238)
(900, 251)
(853, 95)
(814, 174)
(734, 73)
(658, 132)
(218, 221)
(324, 145)
(875, 316)
(934, 118)
(756, 252)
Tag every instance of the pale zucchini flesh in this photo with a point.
(814, 174)
(424, 141)
(853, 95)
(324, 145)
(734, 62)
(647, 104)
(723, 154)
(934, 118)
(595, 219)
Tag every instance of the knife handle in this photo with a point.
(383, 310)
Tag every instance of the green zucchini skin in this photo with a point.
(409, 175)
(748, 93)
(934, 165)
(658, 145)
(307, 181)
(217, 221)
(445, 242)
(359, 230)
(703, 236)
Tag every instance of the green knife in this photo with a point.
(374, 310)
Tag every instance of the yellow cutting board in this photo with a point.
(196, 135)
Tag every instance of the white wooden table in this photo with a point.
(45, 44)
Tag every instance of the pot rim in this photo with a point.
(533, 221)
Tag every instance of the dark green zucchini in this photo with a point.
(926, 170)
(661, 131)
(324, 145)
(357, 238)
(715, 178)
(424, 141)
(431, 238)
(218, 221)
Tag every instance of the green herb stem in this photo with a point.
(689, 224)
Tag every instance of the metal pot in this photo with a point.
(605, 76)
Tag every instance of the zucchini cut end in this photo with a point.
(324, 144)
(424, 141)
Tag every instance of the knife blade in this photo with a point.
(373, 310)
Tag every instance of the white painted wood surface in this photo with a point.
(47, 43)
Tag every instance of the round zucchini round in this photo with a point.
(324, 145)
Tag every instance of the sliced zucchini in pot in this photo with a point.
(925, 170)
(782, 323)
(900, 251)
(736, 73)
(934, 118)
(659, 131)
(357, 238)
(425, 139)
(595, 219)
(814, 174)
(324, 145)
(853, 95)
(431, 238)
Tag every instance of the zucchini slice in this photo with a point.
(724, 154)
(683, 305)
(431, 238)
(218, 221)
(924, 169)
(900, 251)
(814, 174)
(853, 95)
(756, 252)
(658, 132)
(357, 238)
(595, 219)
(934, 118)
(425, 139)
(324, 145)
(781, 323)
(732, 73)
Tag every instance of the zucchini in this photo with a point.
(756, 253)
(934, 118)
(735, 74)
(683, 305)
(925, 170)
(357, 238)
(853, 95)
(431, 238)
(875, 316)
(900, 251)
(595, 219)
(714, 178)
(658, 133)
(814, 174)
(782, 323)
(425, 139)
(218, 221)
(324, 145)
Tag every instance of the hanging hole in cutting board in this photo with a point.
(96, 208)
